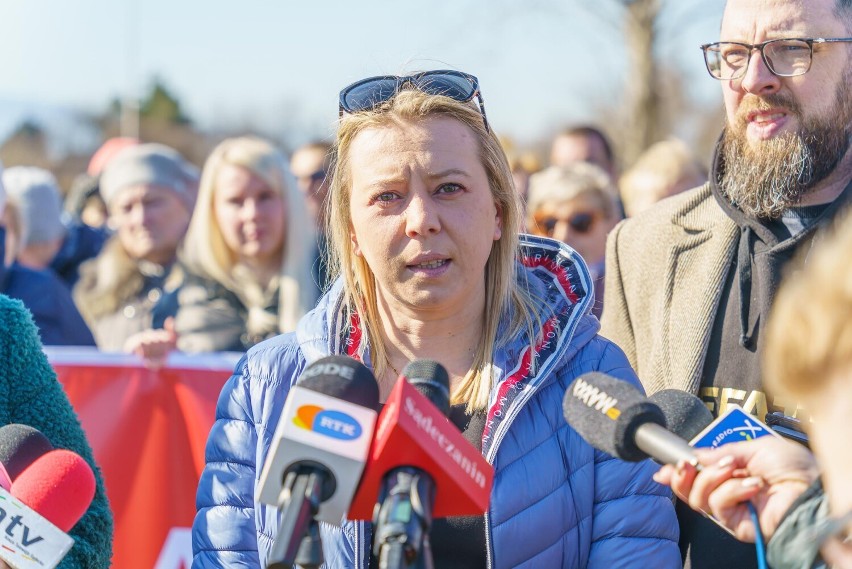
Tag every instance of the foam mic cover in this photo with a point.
(432, 381)
(686, 415)
(607, 412)
(59, 485)
(413, 432)
(325, 428)
(20, 445)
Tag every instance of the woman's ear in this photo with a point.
(498, 225)
(354, 240)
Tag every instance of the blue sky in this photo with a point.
(279, 65)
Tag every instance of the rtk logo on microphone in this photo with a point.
(334, 424)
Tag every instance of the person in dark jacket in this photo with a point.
(32, 396)
(56, 316)
(424, 231)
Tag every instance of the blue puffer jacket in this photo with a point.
(556, 501)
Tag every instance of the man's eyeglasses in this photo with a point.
(367, 94)
(580, 223)
(786, 57)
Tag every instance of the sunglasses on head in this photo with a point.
(580, 222)
(367, 94)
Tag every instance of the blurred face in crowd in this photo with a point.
(422, 214)
(580, 222)
(784, 134)
(150, 222)
(569, 149)
(307, 165)
(251, 216)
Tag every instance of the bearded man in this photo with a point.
(689, 283)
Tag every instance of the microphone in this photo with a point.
(686, 415)
(20, 445)
(317, 454)
(59, 485)
(414, 436)
(613, 416)
(403, 513)
(48, 496)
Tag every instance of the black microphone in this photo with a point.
(317, 455)
(613, 416)
(686, 415)
(403, 515)
(20, 446)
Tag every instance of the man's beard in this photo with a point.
(766, 181)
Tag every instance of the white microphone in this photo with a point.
(319, 450)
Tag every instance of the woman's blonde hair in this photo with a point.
(206, 252)
(809, 333)
(503, 294)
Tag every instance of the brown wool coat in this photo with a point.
(665, 270)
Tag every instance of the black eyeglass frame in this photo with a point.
(416, 82)
(762, 47)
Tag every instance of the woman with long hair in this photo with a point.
(424, 230)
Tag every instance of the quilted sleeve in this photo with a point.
(634, 522)
(224, 532)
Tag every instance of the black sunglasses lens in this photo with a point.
(581, 222)
(368, 95)
(452, 86)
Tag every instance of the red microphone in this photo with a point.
(417, 452)
(59, 485)
(50, 491)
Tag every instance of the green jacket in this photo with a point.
(31, 395)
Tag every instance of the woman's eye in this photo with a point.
(449, 189)
(385, 197)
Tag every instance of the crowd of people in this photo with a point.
(418, 233)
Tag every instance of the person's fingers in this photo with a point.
(710, 477)
(664, 475)
(731, 495)
(682, 479)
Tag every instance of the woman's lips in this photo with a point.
(432, 267)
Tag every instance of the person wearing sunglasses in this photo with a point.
(424, 232)
(690, 282)
(575, 204)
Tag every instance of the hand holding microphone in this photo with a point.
(769, 472)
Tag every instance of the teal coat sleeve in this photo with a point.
(31, 395)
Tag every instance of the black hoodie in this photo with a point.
(766, 247)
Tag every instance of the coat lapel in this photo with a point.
(699, 258)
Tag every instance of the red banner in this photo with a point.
(148, 431)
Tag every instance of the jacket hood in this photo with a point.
(562, 293)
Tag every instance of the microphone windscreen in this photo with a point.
(686, 415)
(343, 378)
(20, 445)
(58, 485)
(432, 381)
(606, 412)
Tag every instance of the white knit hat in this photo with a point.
(150, 164)
(35, 195)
